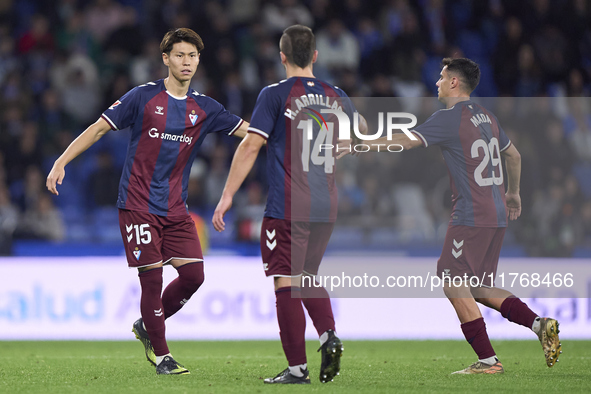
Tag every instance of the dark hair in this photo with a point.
(180, 35)
(465, 69)
(298, 45)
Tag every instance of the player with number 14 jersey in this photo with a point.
(301, 170)
(291, 117)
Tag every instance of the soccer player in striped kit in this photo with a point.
(302, 202)
(472, 143)
(168, 122)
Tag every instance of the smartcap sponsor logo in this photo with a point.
(153, 132)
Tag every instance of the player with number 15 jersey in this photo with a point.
(168, 122)
(166, 133)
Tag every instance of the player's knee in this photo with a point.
(449, 292)
(151, 280)
(192, 276)
(452, 292)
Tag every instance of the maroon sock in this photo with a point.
(475, 333)
(151, 308)
(180, 290)
(516, 311)
(292, 324)
(317, 303)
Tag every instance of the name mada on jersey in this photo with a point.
(480, 118)
(170, 137)
(307, 100)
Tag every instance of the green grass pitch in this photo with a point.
(239, 367)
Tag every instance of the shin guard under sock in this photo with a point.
(475, 333)
(151, 309)
(292, 324)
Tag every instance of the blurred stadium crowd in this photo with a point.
(62, 62)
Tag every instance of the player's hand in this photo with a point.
(220, 211)
(513, 205)
(56, 176)
(347, 147)
(344, 148)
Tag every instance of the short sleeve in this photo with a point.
(440, 129)
(264, 115)
(222, 120)
(347, 104)
(124, 111)
(504, 141)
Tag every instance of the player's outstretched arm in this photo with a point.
(513, 164)
(242, 163)
(379, 144)
(242, 130)
(84, 141)
(343, 146)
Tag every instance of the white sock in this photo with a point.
(160, 358)
(323, 338)
(490, 360)
(536, 326)
(296, 370)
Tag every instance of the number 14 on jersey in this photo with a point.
(311, 147)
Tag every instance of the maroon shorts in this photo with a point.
(292, 248)
(151, 239)
(471, 250)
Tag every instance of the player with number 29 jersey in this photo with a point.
(471, 141)
(473, 146)
(301, 174)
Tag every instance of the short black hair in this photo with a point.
(182, 34)
(298, 45)
(465, 69)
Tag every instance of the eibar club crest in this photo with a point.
(193, 117)
(137, 253)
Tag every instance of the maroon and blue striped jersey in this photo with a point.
(471, 141)
(300, 169)
(166, 132)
